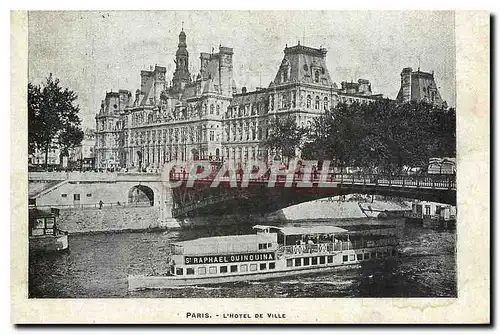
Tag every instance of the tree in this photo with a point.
(383, 135)
(284, 136)
(52, 117)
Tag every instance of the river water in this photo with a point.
(97, 265)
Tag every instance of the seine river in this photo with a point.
(97, 266)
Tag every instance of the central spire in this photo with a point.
(181, 74)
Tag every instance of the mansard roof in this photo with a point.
(304, 65)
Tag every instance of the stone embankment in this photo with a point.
(114, 219)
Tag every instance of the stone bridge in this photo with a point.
(224, 196)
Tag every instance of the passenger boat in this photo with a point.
(43, 232)
(269, 253)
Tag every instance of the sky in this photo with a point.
(93, 52)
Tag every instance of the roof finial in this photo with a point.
(182, 26)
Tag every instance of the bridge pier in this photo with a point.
(166, 204)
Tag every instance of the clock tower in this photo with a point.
(181, 74)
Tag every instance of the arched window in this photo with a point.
(217, 110)
(205, 109)
(308, 101)
(316, 103)
(325, 103)
(316, 76)
(211, 109)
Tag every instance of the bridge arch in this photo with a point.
(141, 194)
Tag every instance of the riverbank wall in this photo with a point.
(120, 219)
(89, 220)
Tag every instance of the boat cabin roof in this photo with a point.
(309, 230)
(228, 239)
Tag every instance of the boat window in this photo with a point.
(179, 271)
(212, 270)
(345, 258)
(263, 266)
(253, 267)
(223, 269)
(373, 255)
(190, 271)
(359, 257)
(298, 262)
(352, 257)
(269, 245)
(367, 256)
(49, 222)
(262, 246)
(330, 258)
(314, 260)
(234, 269)
(322, 259)
(289, 262)
(243, 267)
(272, 265)
(202, 271)
(306, 261)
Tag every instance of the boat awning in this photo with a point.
(311, 230)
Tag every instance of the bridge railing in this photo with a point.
(437, 181)
(92, 205)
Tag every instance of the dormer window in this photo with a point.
(316, 76)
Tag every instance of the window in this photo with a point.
(272, 265)
(316, 103)
(325, 103)
(269, 244)
(212, 135)
(393, 252)
(243, 267)
(223, 269)
(262, 246)
(64, 195)
(76, 197)
(289, 262)
(373, 255)
(345, 258)
(314, 261)
(217, 110)
(367, 256)
(234, 269)
(378, 254)
(253, 267)
(179, 271)
(352, 257)
(427, 209)
(322, 259)
(89, 195)
(316, 76)
(202, 271)
(306, 261)
(298, 262)
(211, 109)
(359, 257)
(330, 258)
(263, 266)
(308, 105)
(190, 271)
(212, 270)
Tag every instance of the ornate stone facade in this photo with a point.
(204, 117)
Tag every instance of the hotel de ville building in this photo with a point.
(205, 116)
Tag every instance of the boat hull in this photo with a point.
(48, 243)
(143, 282)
